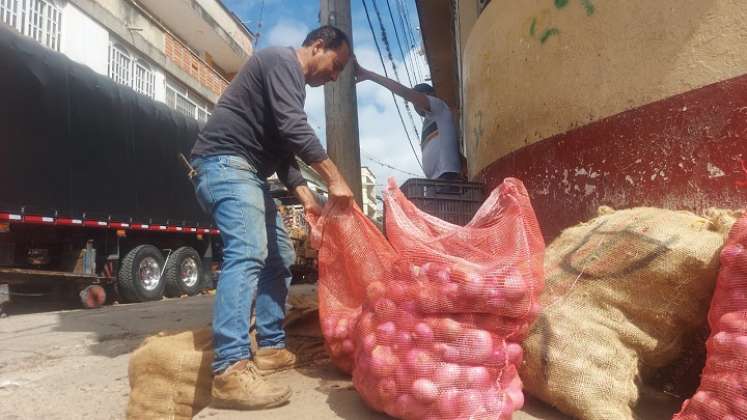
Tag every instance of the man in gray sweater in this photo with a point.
(258, 128)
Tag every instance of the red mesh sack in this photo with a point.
(722, 393)
(440, 309)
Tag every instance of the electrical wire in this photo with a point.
(381, 57)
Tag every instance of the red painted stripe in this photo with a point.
(69, 222)
(10, 217)
(119, 225)
(95, 224)
(680, 153)
(38, 220)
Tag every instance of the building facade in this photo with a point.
(368, 185)
(180, 52)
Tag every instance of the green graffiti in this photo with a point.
(588, 6)
(559, 4)
(548, 33)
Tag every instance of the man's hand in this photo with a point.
(308, 200)
(361, 74)
(339, 191)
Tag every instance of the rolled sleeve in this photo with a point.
(286, 96)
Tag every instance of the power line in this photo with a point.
(372, 159)
(381, 57)
(399, 42)
(409, 39)
(385, 40)
(409, 31)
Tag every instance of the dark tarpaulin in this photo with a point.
(73, 142)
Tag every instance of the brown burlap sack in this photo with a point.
(170, 376)
(621, 293)
(170, 373)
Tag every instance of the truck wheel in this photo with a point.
(183, 272)
(93, 296)
(139, 278)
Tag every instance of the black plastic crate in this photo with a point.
(453, 201)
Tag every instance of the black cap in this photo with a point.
(424, 88)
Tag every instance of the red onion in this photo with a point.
(420, 362)
(386, 332)
(424, 390)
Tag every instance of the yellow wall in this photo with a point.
(532, 69)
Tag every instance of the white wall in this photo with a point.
(83, 40)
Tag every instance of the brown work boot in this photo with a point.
(271, 360)
(241, 387)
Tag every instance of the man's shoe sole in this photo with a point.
(238, 405)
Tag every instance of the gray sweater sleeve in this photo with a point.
(289, 173)
(286, 94)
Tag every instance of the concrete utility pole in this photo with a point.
(341, 105)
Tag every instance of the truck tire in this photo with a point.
(139, 278)
(183, 273)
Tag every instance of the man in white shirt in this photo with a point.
(438, 140)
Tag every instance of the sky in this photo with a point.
(382, 136)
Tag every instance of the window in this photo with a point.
(145, 80)
(179, 100)
(120, 65)
(126, 69)
(38, 19)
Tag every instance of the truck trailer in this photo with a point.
(93, 197)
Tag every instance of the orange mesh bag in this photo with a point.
(722, 393)
(443, 306)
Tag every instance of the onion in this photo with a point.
(448, 329)
(403, 341)
(514, 286)
(420, 362)
(409, 306)
(423, 334)
(447, 352)
(342, 329)
(328, 326)
(516, 397)
(397, 291)
(383, 361)
(515, 354)
(348, 346)
(366, 323)
(740, 347)
(369, 342)
(449, 403)
(448, 374)
(498, 358)
(722, 340)
(424, 390)
(386, 332)
(477, 377)
(734, 322)
(730, 253)
(475, 346)
(385, 309)
(473, 285)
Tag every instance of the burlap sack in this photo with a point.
(170, 376)
(621, 292)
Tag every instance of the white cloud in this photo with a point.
(287, 32)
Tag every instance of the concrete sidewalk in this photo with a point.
(73, 364)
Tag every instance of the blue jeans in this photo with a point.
(257, 256)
